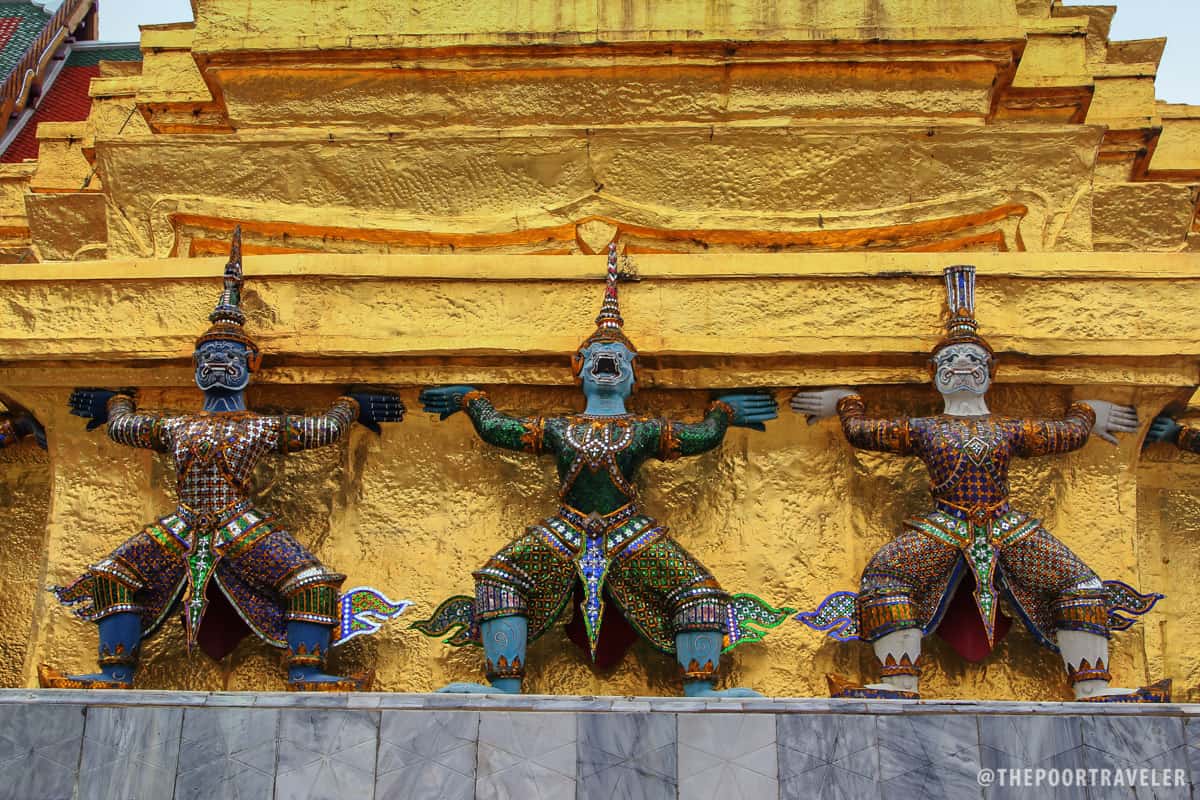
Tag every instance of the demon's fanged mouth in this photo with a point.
(606, 367)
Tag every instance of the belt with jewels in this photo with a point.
(596, 521)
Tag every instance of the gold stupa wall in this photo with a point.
(425, 190)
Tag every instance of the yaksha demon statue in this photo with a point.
(972, 543)
(233, 568)
(15, 427)
(601, 545)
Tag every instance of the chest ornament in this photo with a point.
(599, 442)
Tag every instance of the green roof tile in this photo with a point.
(32, 21)
(93, 56)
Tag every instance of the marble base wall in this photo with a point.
(161, 745)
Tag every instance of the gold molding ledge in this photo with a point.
(657, 266)
(699, 320)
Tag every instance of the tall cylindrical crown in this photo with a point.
(227, 318)
(609, 321)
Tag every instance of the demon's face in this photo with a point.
(962, 368)
(607, 370)
(222, 366)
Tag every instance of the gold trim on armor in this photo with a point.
(891, 668)
(118, 396)
(534, 438)
(309, 575)
(625, 512)
(301, 657)
(979, 514)
(355, 408)
(469, 396)
(695, 672)
(118, 656)
(721, 405)
(886, 612)
(110, 595)
(208, 521)
(313, 603)
(503, 669)
(668, 443)
(1086, 672)
(1088, 609)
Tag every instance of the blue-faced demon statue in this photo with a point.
(600, 559)
(230, 567)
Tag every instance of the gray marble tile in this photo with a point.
(525, 755)
(727, 756)
(1191, 735)
(808, 741)
(929, 755)
(828, 756)
(227, 753)
(1191, 732)
(130, 745)
(1126, 782)
(1027, 741)
(627, 755)
(427, 755)
(828, 783)
(1169, 775)
(326, 753)
(39, 750)
(1127, 743)
(130, 753)
(1134, 738)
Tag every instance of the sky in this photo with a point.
(1179, 20)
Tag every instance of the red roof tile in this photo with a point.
(66, 101)
(8, 26)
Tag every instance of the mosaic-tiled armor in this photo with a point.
(905, 585)
(231, 567)
(972, 542)
(8, 432)
(658, 587)
(601, 545)
(1188, 438)
(16, 427)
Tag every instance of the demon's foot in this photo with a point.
(701, 688)
(1159, 692)
(316, 681)
(50, 678)
(733, 691)
(475, 688)
(844, 688)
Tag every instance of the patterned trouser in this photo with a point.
(905, 582)
(660, 589)
(269, 582)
